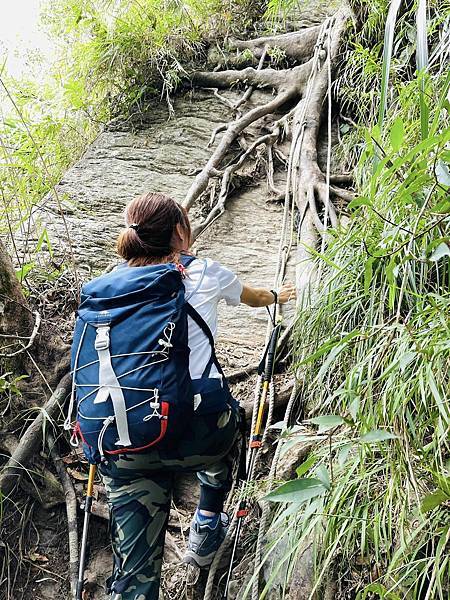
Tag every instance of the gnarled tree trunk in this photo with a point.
(16, 319)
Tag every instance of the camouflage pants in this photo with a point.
(139, 489)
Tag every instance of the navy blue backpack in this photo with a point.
(130, 362)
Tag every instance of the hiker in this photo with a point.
(139, 484)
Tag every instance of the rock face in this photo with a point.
(162, 156)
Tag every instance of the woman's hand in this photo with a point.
(287, 292)
(256, 297)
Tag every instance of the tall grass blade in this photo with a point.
(391, 20)
(422, 63)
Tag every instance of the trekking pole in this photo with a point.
(255, 443)
(87, 516)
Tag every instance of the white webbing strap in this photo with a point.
(68, 421)
(109, 385)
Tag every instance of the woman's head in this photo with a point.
(157, 228)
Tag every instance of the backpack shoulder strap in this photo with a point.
(200, 321)
(186, 259)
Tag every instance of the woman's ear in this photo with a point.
(179, 231)
(180, 238)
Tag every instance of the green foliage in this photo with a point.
(41, 134)
(373, 351)
(386, 49)
(297, 490)
(9, 384)
(120, 54)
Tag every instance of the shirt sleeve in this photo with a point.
(229, 284)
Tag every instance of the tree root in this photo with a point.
(298, 45)
(233, 130)
(29, 442)
(71, 509)
(30, 340)
(307, 84)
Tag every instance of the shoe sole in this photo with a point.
(204, 562)
(201, 562)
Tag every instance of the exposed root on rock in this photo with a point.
(304, 86)
(297, 45)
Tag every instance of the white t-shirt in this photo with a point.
(207, 282)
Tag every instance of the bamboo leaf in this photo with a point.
(441, 251)
(357, 202)
(377, 435)
(343, 453)
(432, 500)
(326, 422)
(332, 356)
(442, 173)
(297, 490)
(368, 273)
(305, 466)
(396, 134)
(391, 276)
(353, 407)
(324, 476)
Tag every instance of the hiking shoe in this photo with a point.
(205, 536)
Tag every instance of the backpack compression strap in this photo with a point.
(109, 385)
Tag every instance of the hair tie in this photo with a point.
(134, 226)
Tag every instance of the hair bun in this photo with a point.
(154, 217)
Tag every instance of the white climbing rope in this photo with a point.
(265, 506)
(295, 152)
(328, 172)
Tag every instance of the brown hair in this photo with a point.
(150, 222)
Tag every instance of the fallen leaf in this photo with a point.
(35, 557)
(77, 475)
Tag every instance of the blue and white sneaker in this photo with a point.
(205, 536)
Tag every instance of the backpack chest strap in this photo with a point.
(109, 385)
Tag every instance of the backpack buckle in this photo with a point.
(102, 338)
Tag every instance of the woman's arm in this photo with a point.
(256, 297)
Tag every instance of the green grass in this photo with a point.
(373, 351)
